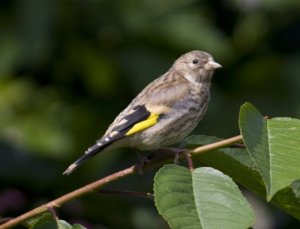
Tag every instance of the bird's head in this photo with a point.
(196, 66)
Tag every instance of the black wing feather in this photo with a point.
(140, 113)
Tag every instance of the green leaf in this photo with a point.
(253, 128)
(61, 224)
(204, 198)
(288, 199)
(273, 145)
(284, 150)
(46, 221)
(65, 225)
(239, 165)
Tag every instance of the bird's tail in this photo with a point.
(90, 152)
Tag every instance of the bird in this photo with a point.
(164, 112)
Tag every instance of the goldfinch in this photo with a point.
(165, 112)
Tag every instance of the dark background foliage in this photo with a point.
(68, 67)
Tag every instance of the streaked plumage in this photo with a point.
(165, 112)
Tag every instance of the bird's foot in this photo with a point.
(143, 161)
(178, 152)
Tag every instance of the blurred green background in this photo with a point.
(67, 67)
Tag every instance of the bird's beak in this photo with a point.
(212, 65)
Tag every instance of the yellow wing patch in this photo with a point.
(150, 121)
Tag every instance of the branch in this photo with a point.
(108, 179)
(129, 193)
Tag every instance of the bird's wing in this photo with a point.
(137, 119)
(145, 110)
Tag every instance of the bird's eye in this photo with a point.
(195, 61)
